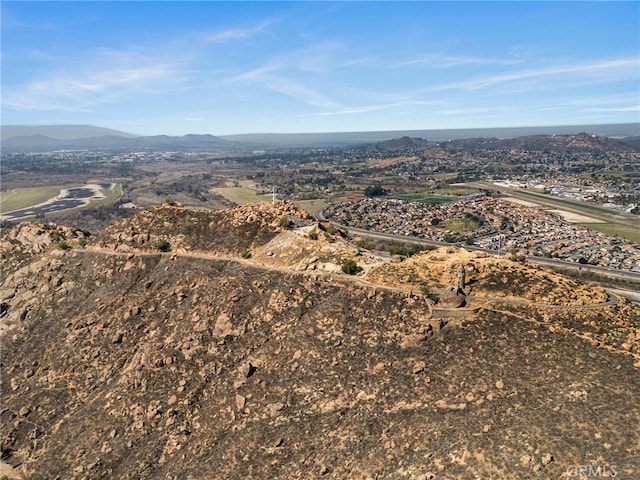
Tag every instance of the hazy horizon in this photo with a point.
(230, 68)
(295, 139)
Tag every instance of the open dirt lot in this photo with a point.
(521, 202)
(575, 217)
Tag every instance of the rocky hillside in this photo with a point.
(224, 231)
(243, 352)
(581, 142)
(487, 277)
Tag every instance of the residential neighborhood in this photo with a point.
(490, 222)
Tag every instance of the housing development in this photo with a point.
(493, 223)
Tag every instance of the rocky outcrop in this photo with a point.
(452, 300)
(30, 238)
(186, 230)
(19, 245)
(486, 276)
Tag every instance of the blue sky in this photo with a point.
(245, 67)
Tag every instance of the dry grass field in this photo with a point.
(241, 195)
(311, 206)
(615, 229)
(25, 197)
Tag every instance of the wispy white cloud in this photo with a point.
(228, 35)
(449, 61)
(302, 72)
(88, 86)
(374, 108)
(627, 108)
(602, 101)
(298, 91)
(256, 75)
(276, 82)
(624, 102)
(597, 71)
(356, 62)
(316, 58)
(472, 110)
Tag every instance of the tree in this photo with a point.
(350, 267)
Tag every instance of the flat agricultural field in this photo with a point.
(19, 198)
(613, 229)
(311, 206)
(241, 195)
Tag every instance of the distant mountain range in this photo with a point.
(572, 143)
(60, 132)
(587, 142)
(622, 130)
(86, 137)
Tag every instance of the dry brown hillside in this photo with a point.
(244, 352)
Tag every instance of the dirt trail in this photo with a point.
(9, 471)
(611, 300)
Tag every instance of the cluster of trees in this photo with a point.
(374, 191)
(409, 250)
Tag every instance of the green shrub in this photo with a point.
(331, 230)
(83, 242)
(350, 267)
(245, 253)
(313, 234)
(409, 250)
(63, 245)
(163, 245)
(434, 297)
(363, 244)
(284, 222)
